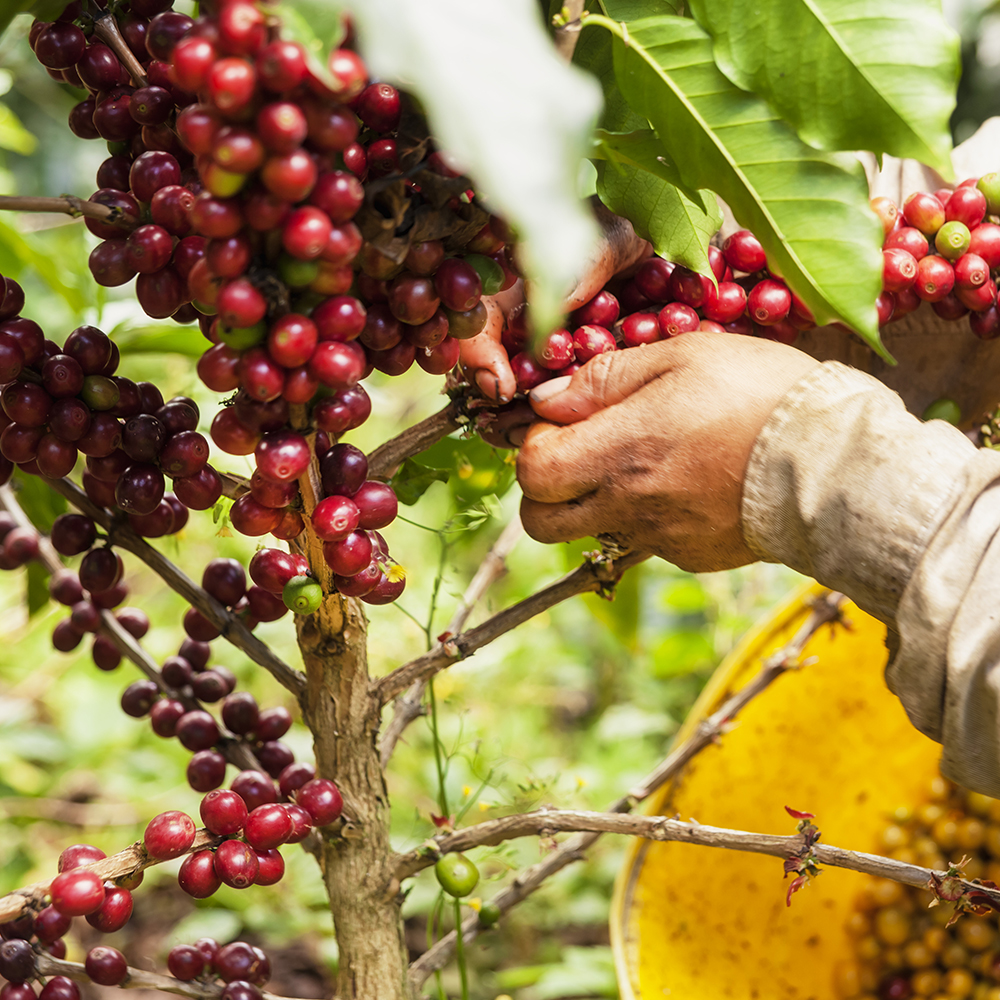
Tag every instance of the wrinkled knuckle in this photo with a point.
(536, 520)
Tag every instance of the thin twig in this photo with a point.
(546, 823)
(68, 204)
(233, 485)
(385, 459)
(596, 575)
(139, 979)
(825, 609)
(410, 705)
(568, 27)
(230, 626)
(124, 864)
(106, 29)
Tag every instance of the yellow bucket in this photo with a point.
(700, 923)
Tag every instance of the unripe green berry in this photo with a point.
(100, 393)
(457, 875)
(489, 914)
(297, 273)
(952, 240)
(489, 271)
(989, 184)
(241, 338)
(303, 595)
(944, 409)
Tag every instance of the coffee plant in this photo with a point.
(328, 192)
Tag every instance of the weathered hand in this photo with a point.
(484, 359)
(650, 446)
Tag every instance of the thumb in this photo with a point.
(602, 382)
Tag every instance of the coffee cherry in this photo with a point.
(165, 715)
(899, 269)
(139, 697)
(185, 961)
(321, 799)
(60, 988)
(924, 212)
(726, 303)
(966, 205)
(273, 723)
(943, 409)
(77, 893)
(236, 864)
(935, 279)
(106, 966)
(223, 812)
(197, 875)
(49, 925)
(267, 826)
(17, 960)
(377, 505)
(114, 912)
(769, 302)
(350, 555)
(197, 730)
(225, 580)
(207, 768)
(743, 252)
(171, 833)
(456, 875)
(952, 240)
(255, 788)
(303, 595)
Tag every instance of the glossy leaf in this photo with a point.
(632, 181)
(38, 500)
(412, 481)
(157, 338)
(317, 26)
(37, 588)
(513, 114)
(809, 209)
(13, 135)
(475, 469)
(18, 252)
(858, 74)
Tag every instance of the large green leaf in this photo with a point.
(17, 252)
(847, 74)
(808, 209)
(678, 227)
(317, 25)
(157, 338)
(512, 112)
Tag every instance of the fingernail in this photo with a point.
(488, 384)
(544, 392)
(516, 436)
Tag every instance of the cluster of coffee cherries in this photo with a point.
(942, 248)
(903, 947)
(243, 967)
(253, 826)
(58, 403)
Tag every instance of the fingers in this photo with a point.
(617, 249)
(560, 522)
(484, 358)
(603, 381)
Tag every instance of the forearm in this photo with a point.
(845, 486)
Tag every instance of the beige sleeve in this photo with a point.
(904, 517)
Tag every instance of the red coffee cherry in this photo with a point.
(169, 835)
(77, 893)
(236, 864)
(321, 799)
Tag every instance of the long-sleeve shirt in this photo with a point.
(846, 486)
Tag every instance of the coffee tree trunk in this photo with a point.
(343, 714)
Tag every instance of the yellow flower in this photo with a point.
(466, 790)
(485, 806)
(396, 573)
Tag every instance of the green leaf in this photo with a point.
(317, 25)
(38, 587)
(15, 247)
(682, 652)
(636, 181)
(846, 74)
(39, 501)
(475, 469)
(13, 135)
(158, 338)
(808, 209)
(412, 481)
(520, 134)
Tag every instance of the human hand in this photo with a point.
(485, 361)
(650, 446)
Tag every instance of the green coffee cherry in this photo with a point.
(303, 595)
(457, 875)
(952, 240)
(100, 392)
(489, 914)
(462, 326)
(241, 338)
(297, 273)
(489, 271)
(989, 184)
(944, 409)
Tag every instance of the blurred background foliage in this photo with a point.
(568, 710)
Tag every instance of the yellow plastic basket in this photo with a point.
(699, 923)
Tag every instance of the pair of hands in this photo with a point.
(647, 447)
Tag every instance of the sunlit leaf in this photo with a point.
(809, 209)
(38, 500)
(38, 587)
(846, 74)
(476, 470)
(317, 25)
(18, 248)
(514, 115)
(13, 135)
(412, 481)
(158, 338)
